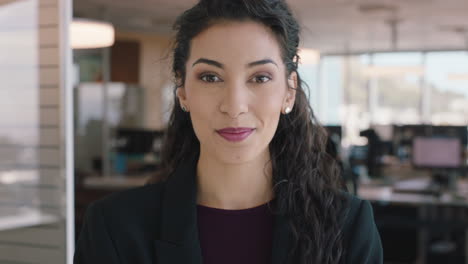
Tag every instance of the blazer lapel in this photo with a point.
(179, 242)
(281, 240)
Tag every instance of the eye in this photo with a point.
(210, 78)
(261, 79)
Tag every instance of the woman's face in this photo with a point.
(235, 89)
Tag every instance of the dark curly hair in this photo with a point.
(307, 184)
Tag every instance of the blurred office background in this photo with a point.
(388, 79)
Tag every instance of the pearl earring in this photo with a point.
(287, 110)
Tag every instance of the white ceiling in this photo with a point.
(332, 26)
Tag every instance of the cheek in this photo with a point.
(202, 107)
(269, 101)
(268, 110)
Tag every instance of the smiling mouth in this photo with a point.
(235, 134)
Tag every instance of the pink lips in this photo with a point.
(235, 134)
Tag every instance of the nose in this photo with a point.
(235, 100)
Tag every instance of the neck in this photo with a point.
(234, 186)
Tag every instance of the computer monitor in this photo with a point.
(436, 152)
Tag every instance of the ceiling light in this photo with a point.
(90, 34)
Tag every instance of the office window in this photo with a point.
(308, 74)
(397, 94)
(356, 114)
(330, 93)
(372, 89)
(447, 81)
(36, 208)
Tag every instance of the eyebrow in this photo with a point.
(220, 65)
(262, 62)
(210, 62)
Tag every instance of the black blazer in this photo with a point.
(156, 223)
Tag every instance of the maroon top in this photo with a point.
(235, 236)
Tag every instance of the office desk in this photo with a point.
(386, 194)
(428, 207)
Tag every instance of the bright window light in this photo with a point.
(309, 56)
(458, 76)
(380, 71)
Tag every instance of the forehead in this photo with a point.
(232, 42)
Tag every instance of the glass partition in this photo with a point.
(36, 208)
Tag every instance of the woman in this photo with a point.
(245, 177)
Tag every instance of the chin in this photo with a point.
(238, 156)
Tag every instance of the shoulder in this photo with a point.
(135, 206)
(361, 237)
(136, 197)
(118, 222)
(356, 208)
